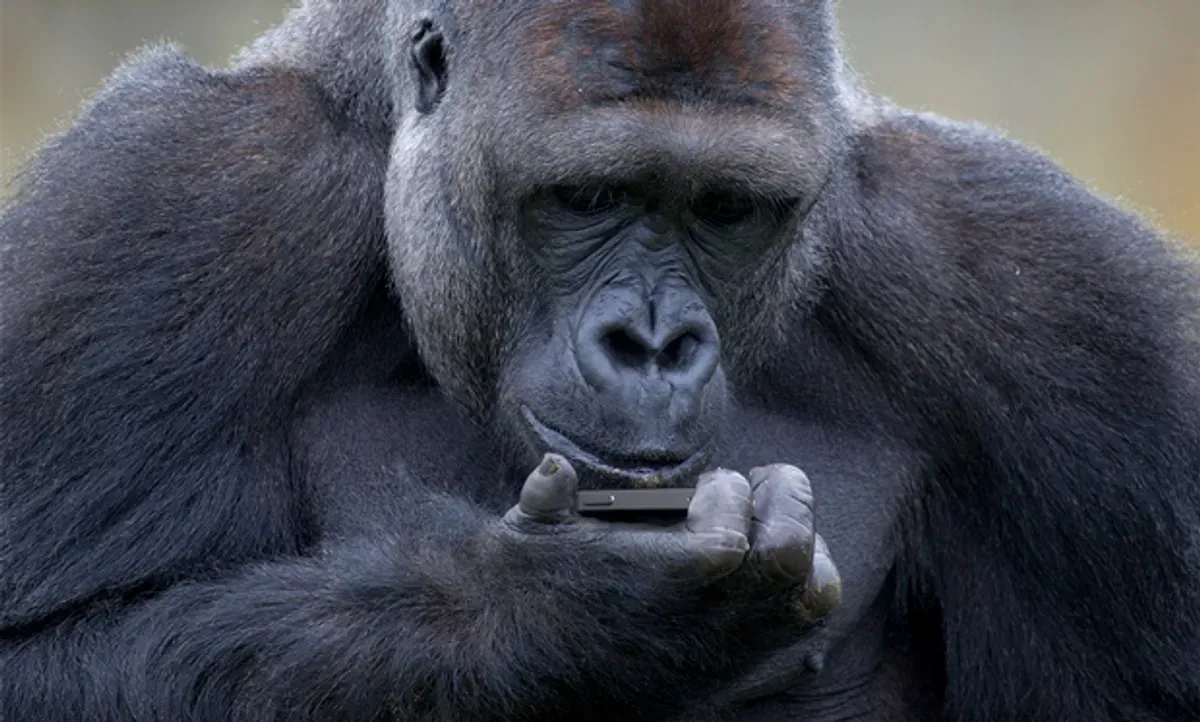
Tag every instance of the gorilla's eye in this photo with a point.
(722, 209)
(588, 200)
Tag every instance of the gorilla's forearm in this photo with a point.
(483, 631)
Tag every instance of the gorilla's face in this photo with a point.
(588, 252)
(622, 369)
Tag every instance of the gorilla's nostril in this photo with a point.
(679, 352)
(625, 350)
(617, 353)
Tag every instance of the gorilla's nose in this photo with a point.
(618, 352)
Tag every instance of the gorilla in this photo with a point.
(304, 362)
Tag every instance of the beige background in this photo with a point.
(1110, 88)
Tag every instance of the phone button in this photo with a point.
(609, 501)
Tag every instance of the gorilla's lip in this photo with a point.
(643, 470)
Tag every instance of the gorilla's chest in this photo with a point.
(370, 452)
(366, 450)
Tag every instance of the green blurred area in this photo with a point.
(1110, 88)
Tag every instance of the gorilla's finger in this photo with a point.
(548, 496)
(782, 534)
(721, 502)
(718, 521)
(824, 590)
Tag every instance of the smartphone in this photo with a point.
(619, 504)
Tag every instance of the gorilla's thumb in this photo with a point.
(548, 495)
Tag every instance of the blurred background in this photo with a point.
(1109, 88)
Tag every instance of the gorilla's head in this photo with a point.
(596, 211)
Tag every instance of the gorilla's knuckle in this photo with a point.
(722, 478)
(778, 475)
(781, 565)
(721, 550)
(797, 499)
(789, 545)
(521, 523)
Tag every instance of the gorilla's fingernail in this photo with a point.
(757, 476)
(817, 603)
(550, 465)
(824, 571)
(825, 590)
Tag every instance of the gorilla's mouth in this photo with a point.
(650, 469)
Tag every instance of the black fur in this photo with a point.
(258, 463)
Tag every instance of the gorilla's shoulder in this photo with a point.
(157, 84)
(940, 149)
(165, 138)
(972, 196)
(154, 67)
(161, 93)
(1023, 271)
(956, 168)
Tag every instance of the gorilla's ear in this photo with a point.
(428, 58)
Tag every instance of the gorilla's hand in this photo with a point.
(762, 528)
(785, 544)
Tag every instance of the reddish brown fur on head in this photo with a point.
(598, 51)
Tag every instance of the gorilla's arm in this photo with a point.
(182, 259)
(470, 621)
(1046, 345)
